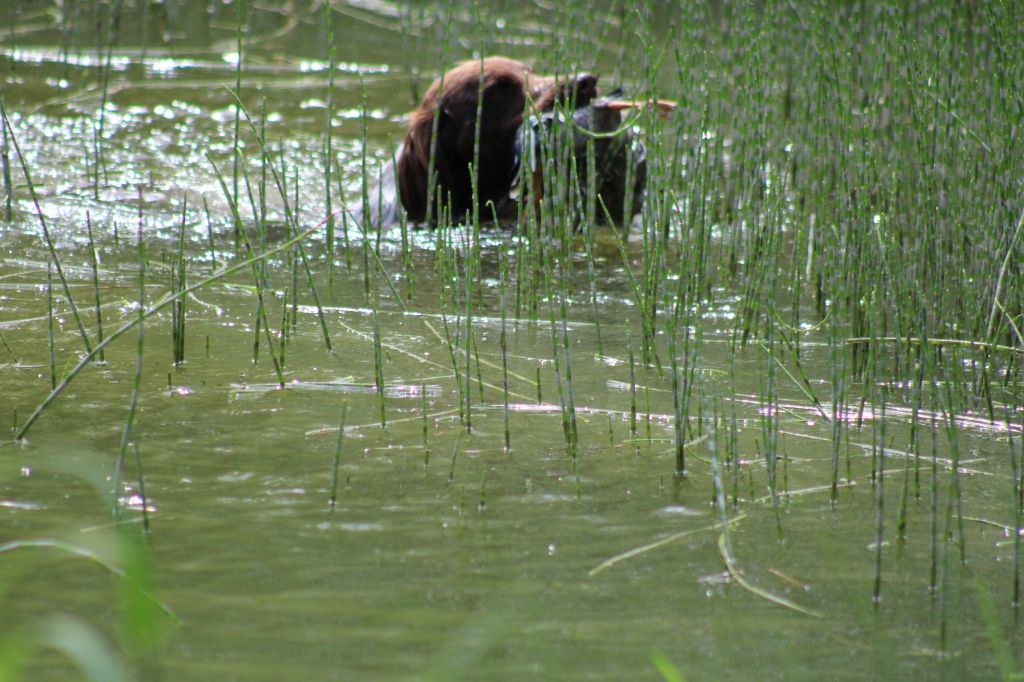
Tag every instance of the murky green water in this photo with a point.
(458, 560)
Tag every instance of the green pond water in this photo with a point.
(458, 560)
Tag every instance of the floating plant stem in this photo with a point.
(337, 454)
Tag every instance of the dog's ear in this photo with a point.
(576, 92)
(412, 176)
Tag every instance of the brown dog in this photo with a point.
(505, 89)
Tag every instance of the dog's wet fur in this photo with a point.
(506, 88)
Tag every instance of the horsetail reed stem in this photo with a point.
(129, 424)
(426, 429)
(14, 358)
(632, 382)
(378, 368)
(236, 141)
(209, 234)
(46, 231)
(1017, 467)
(328, 148)
(880, 500)
(337, 455)
(49, 325)
(94, 263)
(503, 342)
(282, 332)
(468, 261)
(261, 315)
(455, 453)
(5, 162)
(177, 283)
(570, 394)
(141, 479)
(101, 161)
(647, 325)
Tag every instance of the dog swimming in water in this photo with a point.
(518, 110)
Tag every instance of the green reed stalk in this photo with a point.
(632, 381)
(455, 453)
(258, 326)
(14, 359)
(101, 161)
(178, 283)
(953, 495)
(345, 246)
(426, 425)
(880, 499)
(1017, 467)
(94, 263)
(647, 413)
(646, 323)
(556, 357)
(236, 140)
(570, 395)
(933, 511)
(52, 344)
(133, 402)
(328, 153)
(378, 368)
(209, 234)
(503, 342)
(770, 425)
(337, 455)
(282, 332)
(5, 165)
